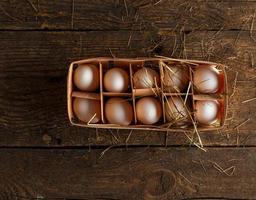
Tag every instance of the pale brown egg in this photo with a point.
(118, 111)
(175, 110)
(87, 110)
(206, 111)
(206, 79)
(86, 77)
(148, 110)
(145, 78)
(175, 78)
(116, 80)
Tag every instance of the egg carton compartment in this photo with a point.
(159, 91)
(120, 70)
(178, 110)
(76, 66)
(145, 75)
(210, 111)
(148, 110)
(209, 79)
(89, 103)
(175, 76)
(114, 109)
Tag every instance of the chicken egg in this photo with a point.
(118, 111)
(116, 80)
(175, 78)
(206, 111)
(175, 109)
(86, 77)
(145, 78)
(87, 110)
(148, 110)
(206, 79)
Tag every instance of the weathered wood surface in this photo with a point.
(33, 84)
(43, 157)
(136, 173)
(119, 14)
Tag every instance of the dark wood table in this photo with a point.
(43, 157)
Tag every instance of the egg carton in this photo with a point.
(131, 65)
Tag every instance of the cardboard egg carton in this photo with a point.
(131, 65)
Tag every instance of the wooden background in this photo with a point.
(43, 157)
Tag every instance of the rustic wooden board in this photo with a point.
(137, 173)
(43, 157)
(34, 65)
(119, 14)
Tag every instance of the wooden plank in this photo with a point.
(137, 173)
(124, 15)
(34, 66)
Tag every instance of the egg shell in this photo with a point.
(118, 111)
(206, 111)
(85, 109)
(148, 110)
(206, 79)
(86, 77)
(175, 109)
(116, 80)
(145, 78)
(175, 78)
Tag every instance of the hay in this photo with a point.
(234, 85)
(32, 6)
(229, 171)
(89, 122)
(249, 100)
(243, 123)
(104, 151)
(128, 138)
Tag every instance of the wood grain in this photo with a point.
(132, 15)
(43, 157)
(137, 173)
(34, 66)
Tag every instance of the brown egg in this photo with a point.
(175, 109)
(206, 111)
(118, 111)
(175, 78)
(116, 80)
(87, 78)
(145, 78)
(85, 109)
(148, 110)
(206, 79)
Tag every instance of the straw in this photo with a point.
(88, 123)
(249, 100)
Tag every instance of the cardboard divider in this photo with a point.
(116, 94)
(146, 92)
(85, 95)
(193, 94)
(133, 94)
(162, 88)
(207, 96)
(101, 94)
